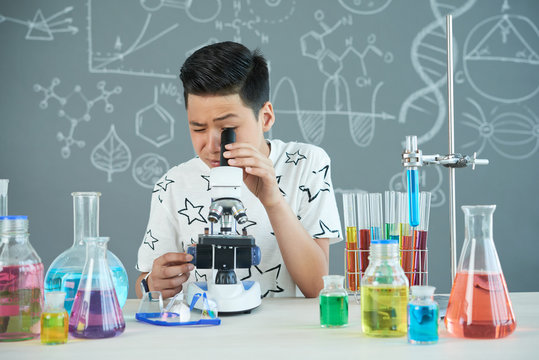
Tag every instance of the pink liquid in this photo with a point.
(21, 301)
(479, 307)
(364, 244)
(407, 256)
(96, 315)
(419, 267)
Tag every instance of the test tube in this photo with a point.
(412, 178)
(350, 223)
(391, 222)
(405, 234)
(363, 226)
(420, 240)
(3, 197)
(376, 217)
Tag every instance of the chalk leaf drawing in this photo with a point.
(111, 155)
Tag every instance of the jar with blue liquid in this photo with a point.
(422, 316)
(65, 272)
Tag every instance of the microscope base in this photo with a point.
(230, 298)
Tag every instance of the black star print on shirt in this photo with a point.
(150, 240)
(207, 178)
(326, 232)
(199, 276)
(294, 158)
(274, 271)
(324, 187)
(190, 212)
(163, 185)
(279, 182)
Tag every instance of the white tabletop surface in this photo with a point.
(284, 328)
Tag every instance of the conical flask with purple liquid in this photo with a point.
(96, 313)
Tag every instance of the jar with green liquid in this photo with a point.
(333, 302)
(384, 292)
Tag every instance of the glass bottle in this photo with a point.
(384, 292)
(479, 305)
(65, 271)
(54, 319)
(96, 312)
(333, 302)
(422, 316)
(21, 281)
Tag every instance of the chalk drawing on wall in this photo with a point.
(44, 29)
(111, 155)
(430, 179)
(107, 56)
(312, 123)
(429, 59)
(196, 10)
(365, 7)
(148, 169)
(272, 12)
(75, 107)
(508, 45)
(154, 123)
(512, 131)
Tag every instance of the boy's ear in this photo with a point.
(266, 116)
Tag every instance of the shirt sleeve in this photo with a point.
(318, 211)
(161, 235)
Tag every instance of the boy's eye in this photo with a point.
(198, 130)
(228, 127)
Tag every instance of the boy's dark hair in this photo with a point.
(227, 68)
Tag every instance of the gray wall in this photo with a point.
(352, 77)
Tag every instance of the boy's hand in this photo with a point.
(258, 171)
(169, 272)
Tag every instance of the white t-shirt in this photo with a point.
(181, 200)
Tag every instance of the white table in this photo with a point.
(284, 328)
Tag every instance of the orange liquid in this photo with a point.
(352, 265)
(481, 309)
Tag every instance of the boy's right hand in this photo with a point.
(169, 272)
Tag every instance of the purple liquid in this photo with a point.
(96, 315)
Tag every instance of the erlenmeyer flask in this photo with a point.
(479, 304)
(96, 312)
(65, 271)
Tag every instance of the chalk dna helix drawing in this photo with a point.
(511, 130)
(44, 29)
(111, 155)
(75, 107)
(429, 59)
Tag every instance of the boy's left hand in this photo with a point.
(258, 171)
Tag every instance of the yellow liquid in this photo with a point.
(383, 310)
(54, 328)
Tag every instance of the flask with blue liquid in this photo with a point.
(65, 272)
(422, 316)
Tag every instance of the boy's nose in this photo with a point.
(215, 141)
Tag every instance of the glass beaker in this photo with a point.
(21, 281)
(479, 305)
(333, 302)
(384, 292)
(96, 312)
(65, 271)
(54, 319)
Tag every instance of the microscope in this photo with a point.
(224, 250)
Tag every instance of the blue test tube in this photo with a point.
(412, 177)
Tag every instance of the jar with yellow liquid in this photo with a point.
(384, 292)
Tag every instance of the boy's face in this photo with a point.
(208, 115)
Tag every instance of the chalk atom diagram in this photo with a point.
(75, 107)
(41, 28)
(365, 7)
(509, 44)
(154, 123)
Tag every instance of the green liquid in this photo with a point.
(384, 310)
(333, 310)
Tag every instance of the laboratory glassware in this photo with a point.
(412, 180)
(376, 216)
(3, 196)
(390, 212)
(422, 315)
(21, 281)
(96, 312)
(350, 223)
(405, 235)
(54, 319)
(479, 305)
(65, 271)
(333, 302)
(384, 292)
(419, 263)
(364, 229)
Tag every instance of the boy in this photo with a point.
(287, 189)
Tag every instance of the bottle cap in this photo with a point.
(13, 223)
(55, 299)
(422, 290)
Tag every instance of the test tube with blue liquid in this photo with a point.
(376, 216)
(412, 178)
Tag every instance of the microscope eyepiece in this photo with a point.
(228, 136)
